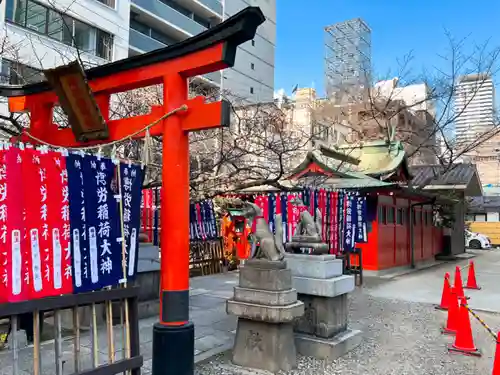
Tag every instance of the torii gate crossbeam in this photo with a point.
(215, 49)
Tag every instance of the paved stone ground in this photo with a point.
(399, 324)
(401, 329)
(214, 332)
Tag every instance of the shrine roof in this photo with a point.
(377, 158)
(458, 176)
(236, 30)
(331, 165)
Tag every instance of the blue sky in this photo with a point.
(398, 28)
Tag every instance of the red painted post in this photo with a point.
(173, 336)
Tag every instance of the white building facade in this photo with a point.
(474, 107)
(43, 34)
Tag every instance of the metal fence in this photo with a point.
(65, 334)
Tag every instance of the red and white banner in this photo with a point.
(58, 223)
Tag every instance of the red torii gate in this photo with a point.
(215, 49)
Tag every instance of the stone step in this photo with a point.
(263, 313)
(265, 297)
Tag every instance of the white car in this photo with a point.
(476, 240)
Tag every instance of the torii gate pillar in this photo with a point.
(215, 49)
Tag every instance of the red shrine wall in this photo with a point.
(388, 243)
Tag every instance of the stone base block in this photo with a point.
(265, 297)
(264, 346)
(324, 287)
(323, 317)
(329, 349)
(314, 266)
(263, 313)
(274, 279)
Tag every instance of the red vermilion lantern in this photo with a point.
(215, 49)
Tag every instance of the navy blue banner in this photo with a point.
(284, 216)
(361, 235)
(131, 177)
(79, 241)
(271, 201)
(95, 223)
(350, 223)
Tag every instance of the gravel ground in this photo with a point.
(400, 338)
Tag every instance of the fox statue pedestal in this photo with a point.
(266, 306)
(322, 332)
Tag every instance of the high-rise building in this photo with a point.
(474, 108)
(347, 58)
(45, 33)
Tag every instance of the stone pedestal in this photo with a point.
(266, 307)
(322, 332)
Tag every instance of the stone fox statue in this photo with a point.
(270, 246)
(307, 226)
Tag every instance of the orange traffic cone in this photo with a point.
(459, 287)
(471, 278)
(452, 320)
(496, 362)
(464, 342)
(445, 296)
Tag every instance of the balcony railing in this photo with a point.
(215, 5)
(170, 15)
(143, 42)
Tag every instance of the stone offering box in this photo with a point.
(322, 332)
(266, 306)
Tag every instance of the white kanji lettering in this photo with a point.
(47, 272)
(100, 178)
(64, 176)
(65, 194)
(127, 199)
(43, 174)
(67, 271)
(66, 231)
(3, 212)
(102, 166)
(36, 159)
(106, 248)
(133, 173)
(43, 193)
(45, 231)
(43, 212)
(93, 164)
(102, 194)
(106, 265)
(3, 192)
(104, 229)
(127, 215)
(3, 172)
(103, 212)
(77, 164)
(65, 212)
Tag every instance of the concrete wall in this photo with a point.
(244, 76)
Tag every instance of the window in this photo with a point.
(151, 32)
(253, 43)
(188, 13)
(390, 215)
(400, 216)
(36, 17)
(251, 90)
(16, 73)
(109, 3)
(417, 218)
(252, 66)
(63, 28)
(381, 215)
